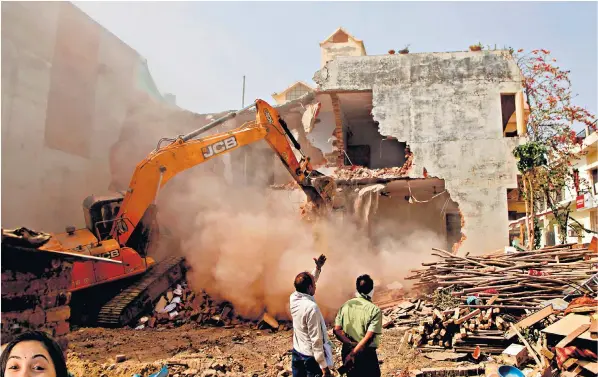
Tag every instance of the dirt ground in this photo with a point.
(240, 351)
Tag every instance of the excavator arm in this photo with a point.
(185, 152)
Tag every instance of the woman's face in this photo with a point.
(30, 358)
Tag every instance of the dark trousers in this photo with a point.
(305, 366)
(366, 363)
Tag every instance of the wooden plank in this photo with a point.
(529, 348)
(593, 327)
(569, 362)
(573, 335)
(591, 366)
(545, 352)
(468, 316)
(564, 326)
(492, 299)
(530, 320)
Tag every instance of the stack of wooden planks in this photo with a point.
(490, 294)
(520, 281)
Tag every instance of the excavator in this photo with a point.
(119, 228)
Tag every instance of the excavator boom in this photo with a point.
(185, 152)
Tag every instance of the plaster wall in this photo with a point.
(69, 88)
(446, 107)
(330, 50)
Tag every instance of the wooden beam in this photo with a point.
(468, 316)
(572, 335)
(530, 320)
(529, 348)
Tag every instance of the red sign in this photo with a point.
(580, 202)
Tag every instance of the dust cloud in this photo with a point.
(246, 244)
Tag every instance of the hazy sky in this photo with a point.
(200, 50)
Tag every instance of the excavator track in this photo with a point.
(138, 297)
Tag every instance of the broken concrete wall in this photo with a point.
(363, 141)
(34, 294)
(446, 107)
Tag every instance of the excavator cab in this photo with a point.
(100, 214)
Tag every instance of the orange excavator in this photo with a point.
(119, 228)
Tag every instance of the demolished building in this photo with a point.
(437, 129)
(434, 128)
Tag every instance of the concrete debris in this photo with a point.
(186, 306)
(267, 319)
(310, 115)
(515, 355)
(356, 173)
(366, 203)
(120, 358)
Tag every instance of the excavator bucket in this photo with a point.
(319, 189)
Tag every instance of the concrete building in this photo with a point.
(340, 43)
(581, 197)
(437, 129)
(80, 110)
(292, 92)
(69, 89)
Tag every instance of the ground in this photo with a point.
(244, 350)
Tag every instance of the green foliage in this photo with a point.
(444, 300)
(530, 156)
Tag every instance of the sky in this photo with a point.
(200, 51)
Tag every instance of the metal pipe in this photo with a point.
(243, 98)
(215, 123)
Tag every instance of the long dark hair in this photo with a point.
(50, 344)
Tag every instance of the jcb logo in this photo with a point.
(268, 116)
(110, 255)
(219, 147)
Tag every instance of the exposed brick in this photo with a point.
(36, 286)
(7, 276)
(37, 318)
(61, 328)
(59, 283)
(14, 288)
(49, 300)
(24, 276)
(61, 313)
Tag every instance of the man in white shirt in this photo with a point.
(312, 352)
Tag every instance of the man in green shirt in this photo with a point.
(358, 326)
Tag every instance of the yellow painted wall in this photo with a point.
(516, 206)
(279, 98)
(330, 50)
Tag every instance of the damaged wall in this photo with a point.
(34, 294)
(75, 105)
(447, 108)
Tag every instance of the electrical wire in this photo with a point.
(422, 201)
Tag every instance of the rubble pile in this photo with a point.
(34, 293)
(526, 307)
(180, 305)
(360, 172)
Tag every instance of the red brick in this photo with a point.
(62, 328)
(49, 300)
(24, 276)
(60, 283)
(14, 288)
(7, 276)
(37, 318)
(36, 286)
(62, 313)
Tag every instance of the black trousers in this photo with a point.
(366, 362)
(305, 366)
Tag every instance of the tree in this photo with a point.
(545, 160)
